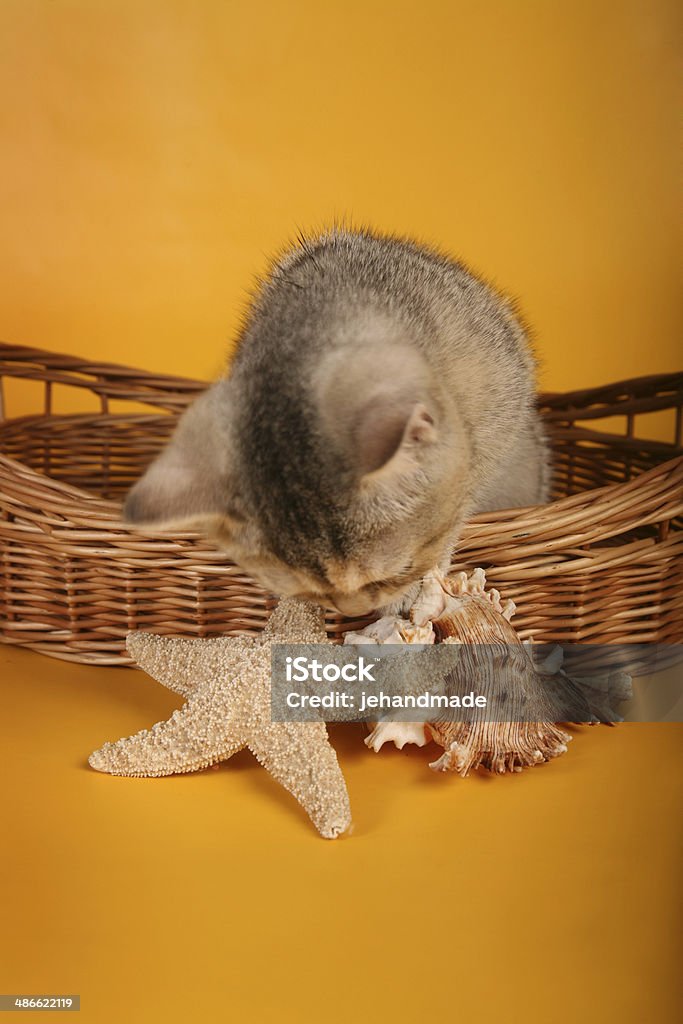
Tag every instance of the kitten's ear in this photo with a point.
(376, 404)
(188, 484)
(391, 433)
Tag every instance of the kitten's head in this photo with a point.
(342, 487)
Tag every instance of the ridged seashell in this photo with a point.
(458, 609)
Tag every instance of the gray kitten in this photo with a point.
(380, 393)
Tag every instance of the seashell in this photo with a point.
(459, 609)
(469, 614)
(392, 630)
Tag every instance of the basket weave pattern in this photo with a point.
(603, 562)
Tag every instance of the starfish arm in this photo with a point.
(182, 665)
(195, 736)
(226, 681)
(301, 758)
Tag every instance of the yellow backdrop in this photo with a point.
(155, 152)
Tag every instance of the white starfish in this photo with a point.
(226, 683)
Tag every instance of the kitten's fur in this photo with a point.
(379, 394)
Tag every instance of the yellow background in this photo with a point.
(154, 154)
(551, 896)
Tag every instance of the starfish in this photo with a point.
(226, 683)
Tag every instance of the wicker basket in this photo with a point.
(602, 563)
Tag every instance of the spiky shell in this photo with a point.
(459, 609)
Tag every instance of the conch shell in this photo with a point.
(458, 609)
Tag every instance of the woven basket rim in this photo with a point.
(87, 365)
(81, 364)
(514, 517)
(68, 497)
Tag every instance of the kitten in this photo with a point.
(379, 394)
